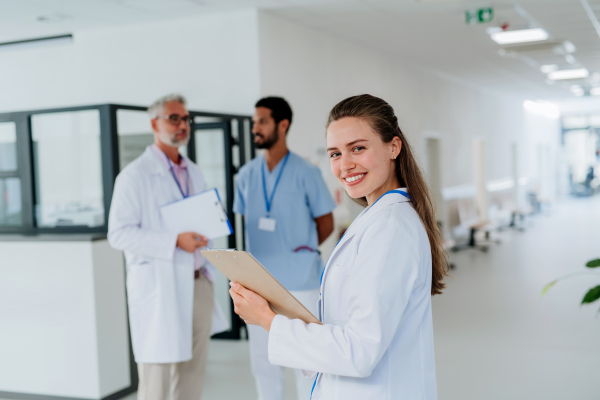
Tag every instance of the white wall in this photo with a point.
(315, 70)
(64, 319)
(212, 60)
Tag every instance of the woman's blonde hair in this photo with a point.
(381, 118)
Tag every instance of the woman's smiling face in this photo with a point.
(360, 160)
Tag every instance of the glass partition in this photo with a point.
(67, 169)
(210, 157)
(8, 146)
(10, 202)
(135, 134)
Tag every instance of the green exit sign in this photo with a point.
(480, 16)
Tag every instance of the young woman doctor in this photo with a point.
(376, 341)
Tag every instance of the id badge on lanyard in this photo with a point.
(267, 223)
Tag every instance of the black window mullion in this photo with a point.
(25, 170)
(109, 150)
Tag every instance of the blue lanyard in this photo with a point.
(187, 181)
(269, 201)
(403, 193)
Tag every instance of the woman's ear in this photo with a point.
(396, 146)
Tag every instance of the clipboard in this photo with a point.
(242, 267)
(202, 213)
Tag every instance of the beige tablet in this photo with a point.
(241, 267)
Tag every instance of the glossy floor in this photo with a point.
(495, 338)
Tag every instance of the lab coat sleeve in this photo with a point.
(124, 224)
(382, 278)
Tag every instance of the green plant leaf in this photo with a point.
(592, 295)
(593, 263)
(547, 287)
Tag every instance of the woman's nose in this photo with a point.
(346, 164)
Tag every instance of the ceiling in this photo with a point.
(430, 33)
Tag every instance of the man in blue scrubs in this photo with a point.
(288, 214)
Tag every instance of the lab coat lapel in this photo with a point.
(197, 183)
(152, 163)
(362, 219)
(156, 167)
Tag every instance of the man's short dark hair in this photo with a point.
(280, 109)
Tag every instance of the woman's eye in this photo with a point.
(358, 148)
(332, 155)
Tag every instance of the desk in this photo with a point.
(63, 317)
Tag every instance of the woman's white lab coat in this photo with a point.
(377, 337)
(160, 277)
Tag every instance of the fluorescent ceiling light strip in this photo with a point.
(548, 68)
(37, 42)
(569, 74)
(521, 36)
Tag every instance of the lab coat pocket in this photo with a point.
(141, 282)
(336, 300)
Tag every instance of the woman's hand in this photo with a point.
(252, 308)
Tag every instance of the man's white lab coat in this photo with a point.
(160, 277)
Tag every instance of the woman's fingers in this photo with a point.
(237, 301)
(239, 289)
(249, 295)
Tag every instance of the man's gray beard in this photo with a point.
(172, 141)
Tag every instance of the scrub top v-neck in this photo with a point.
(301, 195)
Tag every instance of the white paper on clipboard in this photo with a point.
(202, 213)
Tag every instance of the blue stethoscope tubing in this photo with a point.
(403, 193)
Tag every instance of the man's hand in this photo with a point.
(251, 307)
(190, 241)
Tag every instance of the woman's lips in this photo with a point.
(354, 179)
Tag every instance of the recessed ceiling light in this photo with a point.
(570, 59)
(569, 47)
(521, 36)
(579, 73)
(548, 68)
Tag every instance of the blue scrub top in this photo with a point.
(300, 197)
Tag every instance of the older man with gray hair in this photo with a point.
(169, 285)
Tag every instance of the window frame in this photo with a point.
(109, 152)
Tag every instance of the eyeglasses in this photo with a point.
(176, 119)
